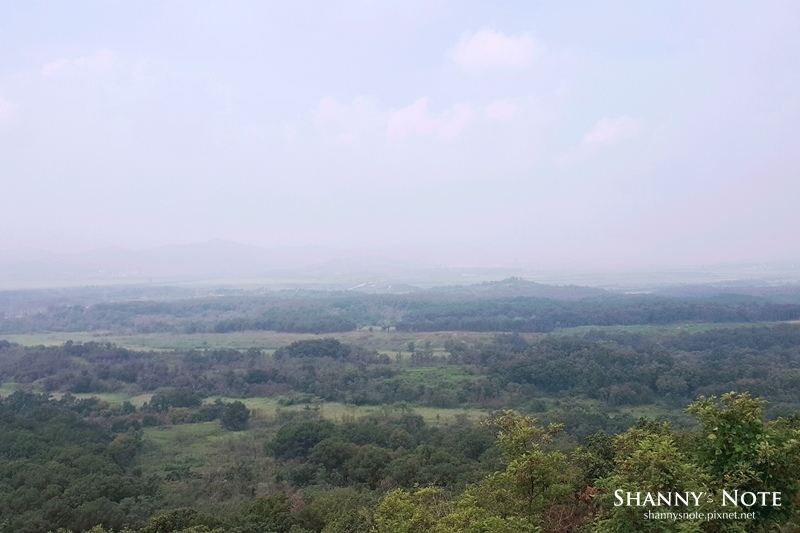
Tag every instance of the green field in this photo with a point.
(269, 409)
(187, 444)
(389, 342)
(8, 388)
(386, 342)
(667, 329)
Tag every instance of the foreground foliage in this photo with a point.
(543, 490)
(58, 469)
(84, 481)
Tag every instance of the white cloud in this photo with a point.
(500, 110)
(361, 118)
(417, 120)
(54, 68)
(488, 49)
(349, 121)
(6, 109)
(102, 60)
(607, 132)
(411, 120)
(612, 130)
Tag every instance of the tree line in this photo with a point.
(330, 312)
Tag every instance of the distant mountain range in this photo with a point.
(224, 259)
(516, 286)
(395, 269)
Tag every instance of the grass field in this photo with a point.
(389, 342)
(199, 448)
(668, 329)
(8, 388)
(117, 398)
(446, 375)
(183, 446)
(268, 409)
(110, 397)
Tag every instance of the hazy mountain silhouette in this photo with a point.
(221, 258)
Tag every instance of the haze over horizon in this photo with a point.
(557, 134)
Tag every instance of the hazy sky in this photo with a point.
(557, 133)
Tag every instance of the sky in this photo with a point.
(553, 133)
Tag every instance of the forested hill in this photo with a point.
(518, 287)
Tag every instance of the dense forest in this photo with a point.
(63, 467)
(396, 430)
(617, 369)
(513, 305)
